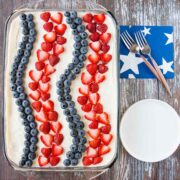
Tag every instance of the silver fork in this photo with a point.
(134, 48)
(146, 50)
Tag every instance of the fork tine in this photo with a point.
(132, 40)
(142, 38)
(128, 39)
(126, 42)
(138, 41)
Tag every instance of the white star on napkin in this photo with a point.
(146, 31)
(166, 66)
(170, 38)
(131, 62)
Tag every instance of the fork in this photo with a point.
(146, 50)
(134, 48)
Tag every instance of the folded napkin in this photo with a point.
(160, 39)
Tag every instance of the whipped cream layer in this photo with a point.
(14, 129)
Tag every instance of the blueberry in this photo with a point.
(15, 94)
(82, 57)
(20, 88)
(70, 66)
(32, 32)
(77, 38)
(80, 125)
(61, 99)
(22, 163)
(60, 92)
(31, 39)
(73, 14)
(29, 17)
(34, 140)
(81, 132)
(25, 122)
(70, 155)
(28, 110)
(62, 77)
(74, 32)
(15, 66)
(26, 150)
(13, 87)
(27, 143)
(84, 35)
(81, 28)
(19, 102)
(27, 129)
(19, 74)
(64, 105)
(73, 111)
(30, 118)
(24, 157)
(25, 38)
(67, 14)
(75, 141)
(21, 109)
(33, 125)
(22, 96)
(76, 53)
(33, 148)
(84, 50)
(69, 20)
(76, 118)
(74, 133)
(81, 148)
(60, 84)
(72, 76)
(81, 65)
(25, 103)
(67, 83)
(74, 148)
(73, 26)
(29, 46)
(77, 45)
(67, 162)
(31, 25)
(83, 140)
(23, 116)
(77, 70)
(72, 125)
(69, 119)
(66, 112)
(71, 104)
(22, 45)
(27, 53)
(34, 132)
(74, 162)
(28, 163)
(31, 156)
(78, 155)
(67, 72)
(78, 20)
(27, 136)
(19, 81)
(25, 31)
(84, 43)
(68, 97)
(75, 60)
(21, 67)
(23, 16)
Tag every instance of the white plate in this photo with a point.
(150, 130)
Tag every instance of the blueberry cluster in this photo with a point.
(18, 68)
(79, 56)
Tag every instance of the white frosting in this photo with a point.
(14, 129)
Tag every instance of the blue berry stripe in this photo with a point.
(64, 88)
(17, 88)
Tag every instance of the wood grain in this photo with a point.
(127, 12)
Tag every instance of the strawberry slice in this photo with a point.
(94, 133)
(97, 160)
(95, 46)
(48, 106)
(58, 49)
(84, 90)
(94, 98)
(91, 68)
(57, 18)
(103, 118)
(88, 18)
(35, 95)
(99, 78)
(42, 55)
(46, 46)
(41, 116)
(93, 125)
(57, 150)
(103, 150)
(106, 129)
(44, 87)
(102, 68)
(82, 100)
(43, 161)
(91, 116)
(94, 58)
(106, 138)
(37, 106)
(53, 59)
(45, 96)
(33, 85)
(99, 18)
(61, 40)
(39, 65)
(48, 26)
(35, 75)
(58, 139)
(102, 28)
(49, 70)
(53, 160)
(91, 27)
(94, 37)
(105, 38)
(98, 108)
(56, 127)
(45, 127)
(106, 58)
(45, 79)
(87, 161)
(47, 139)
(87, 107)
(46, 152)
(105, 48)
(95, 143)
(45, 16)
(86, 78)
(60, 29)
(52, 116)
(91, 152)
(94, 87)
(50, 37)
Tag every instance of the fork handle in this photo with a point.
(151, 67)
(163, 80)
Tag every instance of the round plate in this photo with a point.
(150, 130)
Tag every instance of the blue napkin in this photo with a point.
(160, 39)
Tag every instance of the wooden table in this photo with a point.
(127, 12)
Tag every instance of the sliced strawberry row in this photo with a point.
(99, 124)
(47, 59)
